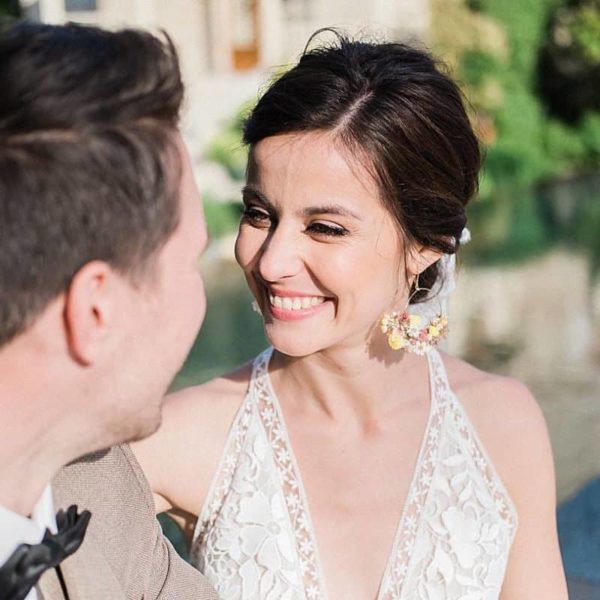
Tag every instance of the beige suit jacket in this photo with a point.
(124, 555)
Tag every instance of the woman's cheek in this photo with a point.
(244, 249)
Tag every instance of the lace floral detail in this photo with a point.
(295, 497)
(255, 539)
(477, 452)
(462, 542)
(224, 475)
(408, 527)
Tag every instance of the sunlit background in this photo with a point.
(528, 298)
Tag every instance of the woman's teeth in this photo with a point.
(295, 303)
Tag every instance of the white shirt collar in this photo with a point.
(16, 529)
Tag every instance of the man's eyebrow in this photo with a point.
(330, 209)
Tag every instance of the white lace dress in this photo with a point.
(255, 540)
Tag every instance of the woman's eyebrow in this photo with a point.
(330, 209)
(310, 211)
(249, 190)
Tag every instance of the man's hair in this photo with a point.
(88, 165)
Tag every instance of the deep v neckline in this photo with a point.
(396, 564)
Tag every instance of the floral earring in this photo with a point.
(405, 330)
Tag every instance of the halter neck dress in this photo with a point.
(254, 539)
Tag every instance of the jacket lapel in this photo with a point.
(87, 573)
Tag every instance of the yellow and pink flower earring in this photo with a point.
(406, 331)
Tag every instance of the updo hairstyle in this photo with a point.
(395, 106)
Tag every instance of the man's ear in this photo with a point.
(419, 258)
(88, 307)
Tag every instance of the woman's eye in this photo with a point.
(326, 229)
(255, 216)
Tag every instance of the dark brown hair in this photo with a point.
(394, 105)
(88, 167)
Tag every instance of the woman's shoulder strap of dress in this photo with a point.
(440, 384)
(260, 365)
(466, 431)
(223, 475)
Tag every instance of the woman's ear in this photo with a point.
(87, 311)
(418, 258)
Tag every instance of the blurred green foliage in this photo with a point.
(569, 73)
(9, 11)
(227, 148)
(9, 8)
(496, 52)
(529, 148)
(586, 31)
(221, 217)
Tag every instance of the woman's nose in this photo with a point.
(280, 256)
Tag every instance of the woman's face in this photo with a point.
(321, 254)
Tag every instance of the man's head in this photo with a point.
(100, 222)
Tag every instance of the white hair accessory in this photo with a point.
(444, 285)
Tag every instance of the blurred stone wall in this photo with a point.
(205, 33)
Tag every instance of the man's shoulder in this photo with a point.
(123, 528)
(111, 474)
(111, 485)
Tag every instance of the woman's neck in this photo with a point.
(349, 384)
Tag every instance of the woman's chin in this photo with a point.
(291, 345)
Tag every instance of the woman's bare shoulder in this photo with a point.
(509, 422)
(220, 397)
(180, 459)
(505, 400)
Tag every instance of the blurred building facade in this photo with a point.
(228, 46)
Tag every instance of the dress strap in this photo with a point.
(270, 413)
(438, 379)
(260, 372)
(472, 443)
(422, 478)
(223, 476)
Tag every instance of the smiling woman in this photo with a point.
(313, 226)
(339, 464)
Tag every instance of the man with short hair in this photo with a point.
(101, 229)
